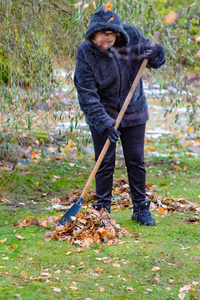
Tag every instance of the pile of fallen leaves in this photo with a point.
(122, 199)
(85, 229)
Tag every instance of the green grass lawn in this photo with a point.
(156, 265)
(153, 266)
(176, 178)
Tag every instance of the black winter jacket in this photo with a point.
(104, 78)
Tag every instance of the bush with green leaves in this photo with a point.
(40, 36)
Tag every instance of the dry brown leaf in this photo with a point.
(150, 147)
(130, 289)
(85, 5)
(98, 258)
(181, 295)
(155, 269)
(35, 278)
(171, 17)
(4, 200)
(117, 190)
(115, 265)
(19, 236)
(48, 239)
(99, 269)
(78, 4)
(197, 38)
(35, 155)
(45, 274)
(185, 288)
(12, 247)
(197, 54)
(74, 288)
(157, 279)
(107, 260)
(195, 282)
(3, 241)
(56, 289)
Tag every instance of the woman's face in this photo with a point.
(106, 39)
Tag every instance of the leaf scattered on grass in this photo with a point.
(186, 288)
(130, 289)
(116, 265)
(4, 199)
(12, 247)
(195, 282)
(74, 288)
(19, 236)
(45, 274)
(104, 259)
(99, 269)
(155, 269)
(181, 295)
(3, 241)
(56, 289)
(157, 278)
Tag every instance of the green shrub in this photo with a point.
(10, 152)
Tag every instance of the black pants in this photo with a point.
(132, 139)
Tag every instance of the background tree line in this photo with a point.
(37, 36)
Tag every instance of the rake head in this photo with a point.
(72, 212)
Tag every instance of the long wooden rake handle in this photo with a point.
(118, 120)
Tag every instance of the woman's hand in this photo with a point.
(150, 52)
(112, 134)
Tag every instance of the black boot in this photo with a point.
(142, 214)
(99, 206)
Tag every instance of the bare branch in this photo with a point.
(58, 7)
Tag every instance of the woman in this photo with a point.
(107, 64)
